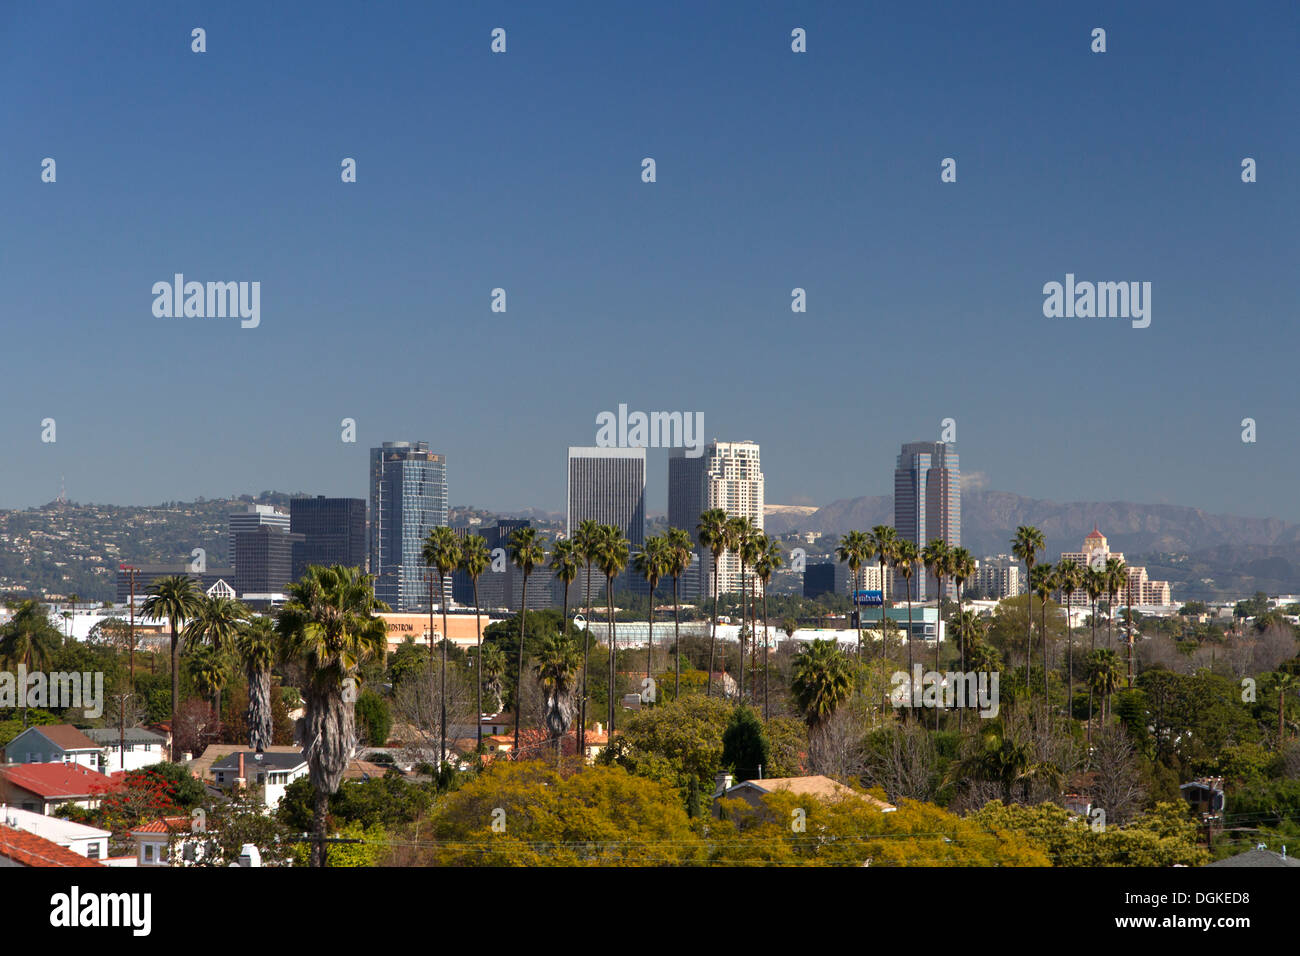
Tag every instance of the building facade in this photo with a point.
(333, 530)
(408, 499)
(997, 577)
(927, 505)
(729, 476)
(1139, 590)
(264, 560)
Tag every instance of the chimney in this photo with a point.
(723, 780)
(240, 780)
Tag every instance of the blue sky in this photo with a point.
(775, 170)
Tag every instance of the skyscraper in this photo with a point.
(927, 505)
(607, 485)
(728, 475)
(333, 530)
(408, 498)
(264, 560)
(250, 519)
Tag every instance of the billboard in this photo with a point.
(869, 598)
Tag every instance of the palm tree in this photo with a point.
(962, 569)
(565, 565)
(821, 681)
(1069, 578)
(751, 548)
(651, 562)
(441, 552)
(1094, 584)
(883, 543)
(474, 560)
(969, 630)
(906, 557)
(256, 646)
(1104, 675)
(492, 665)
(681, 549)
(330, 626)
(1042, 582)
(28, 639)
(585, 542)
(557, 668)
(936, 556)
(527, 553)
(217, 621)
(769, 559)
(175, 597)
(611, 558)
(207, 666)
(1116, 576)
(742, 545)
(855, 550)
(1025, 546)
(713, 536)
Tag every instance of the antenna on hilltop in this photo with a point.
(63, 492)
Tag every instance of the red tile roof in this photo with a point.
(165, 825)
(57, 779)
(28, 849)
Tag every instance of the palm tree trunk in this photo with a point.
(767, 703)
(320, 810)
(650, 634)
(1042, 622)
(586, 650)
(433, 690)
(961, 650)
(613, 648)
(713, 631)
(176, 690)
(741, 633)
(1029, 627)
(938, 633)
(519, 675)
(677, 646)
(1069, 656)
(478, 664)
(910, 672)
(442, 599)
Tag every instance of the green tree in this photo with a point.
(769, 559)
(374, 718)
(557, 669)
(527, 552)
(611, 557)
(28, 639)
(216, 622)
(713, 535)
(906, 557)
(855, 549)
(474, 560)
(329, 625)
(680, 552)
(652, 563)
(176, 598)
(441, 552)
(745, 748)
(822, 680)
(257, 647)
(1025, 546)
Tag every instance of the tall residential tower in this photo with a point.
(927, 505)
(408, 498)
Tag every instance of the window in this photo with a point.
(148, 852)
(92, 851)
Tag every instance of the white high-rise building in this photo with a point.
(728, 475)
(252, 518)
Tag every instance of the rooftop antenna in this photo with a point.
(63, 492)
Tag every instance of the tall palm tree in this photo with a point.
(962, 568)
(557, 668)
(1094, 584)
(527, 552)
(769, 559)
(1042, 582)
(565, 565)
(1025, 546)
(1069, 578)
(256, 644)
(855, 550)
(741, 531)
(822, 680)
(651, 562)
(330, 626)
(1104, 674)
(441, 552)
(28, 639)
(681, 549)
(216, 622)
(883, 542)
(611, 558)
(175, 597)
(751, 549)
(1116, 576)
(585, 542)
(493, 668)
(713, 536)
(474, 560)
(906, 557)
(936, 557)
(207, 666)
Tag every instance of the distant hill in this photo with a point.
(1203, 555)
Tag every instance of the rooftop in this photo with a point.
(28, 849)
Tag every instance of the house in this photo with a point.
(823, 788)
(54, 743)
(144, 748)
(1260, 856)
(21, 848)
(272, 771)
(44, 787)
(1204, 795)
(201, 767)
(90, 842)
(166, 841)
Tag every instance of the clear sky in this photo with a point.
(775, 170)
